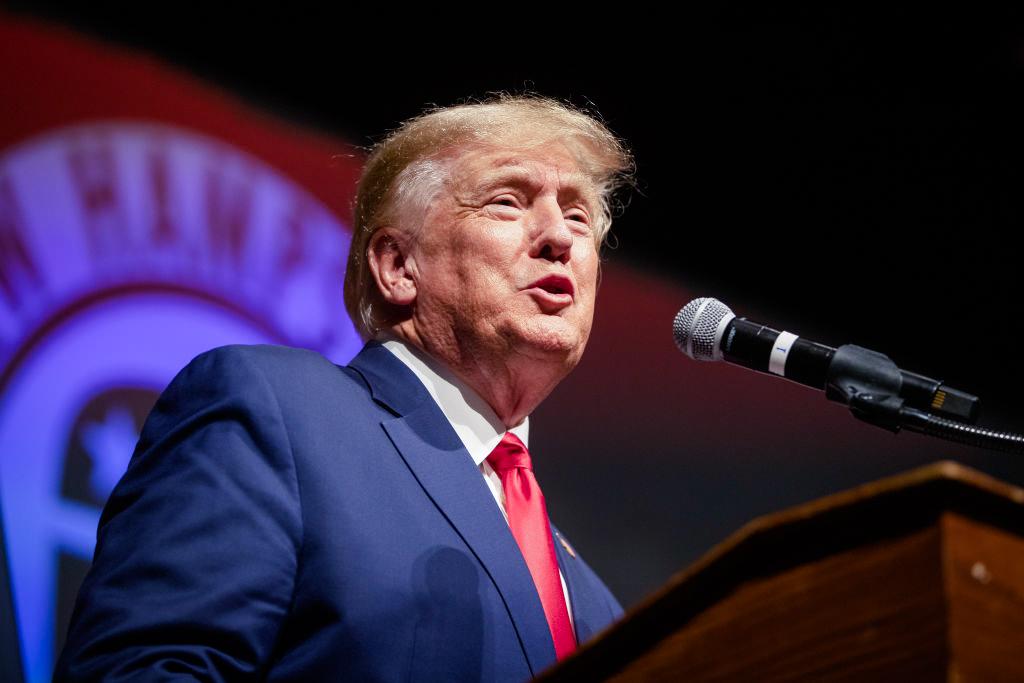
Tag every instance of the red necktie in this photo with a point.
(528, 519)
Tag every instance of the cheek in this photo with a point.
(587, 270)
(474, 288)
(491, 267)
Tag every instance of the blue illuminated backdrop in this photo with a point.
(128, 245)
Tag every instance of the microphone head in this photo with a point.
(698, 328)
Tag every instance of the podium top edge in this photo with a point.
(885, 508)
(948, 471)
(919, 493)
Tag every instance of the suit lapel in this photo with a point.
(442, 466)
(585, 611)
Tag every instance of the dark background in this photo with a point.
(848, 180)
(854, 177)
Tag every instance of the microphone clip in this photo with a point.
(869, 383)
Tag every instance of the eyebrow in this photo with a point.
(512, 170)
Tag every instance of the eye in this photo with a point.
(579, 217)
(505, 200)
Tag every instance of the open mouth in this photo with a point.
(555, 284)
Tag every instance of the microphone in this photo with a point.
(706, 329)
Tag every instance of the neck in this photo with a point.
(512, 383)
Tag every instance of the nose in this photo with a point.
(552, 238)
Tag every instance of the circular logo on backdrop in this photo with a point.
(126, 250)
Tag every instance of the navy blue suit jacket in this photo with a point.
(287, 519)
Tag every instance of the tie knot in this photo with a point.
(509, 454)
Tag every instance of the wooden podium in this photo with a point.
(919, 577)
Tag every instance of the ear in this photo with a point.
(391, 267)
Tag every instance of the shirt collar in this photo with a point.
(475, 422)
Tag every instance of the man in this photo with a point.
(287, 519)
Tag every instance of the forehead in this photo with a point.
(542, 164)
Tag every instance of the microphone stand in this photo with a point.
(869, 383)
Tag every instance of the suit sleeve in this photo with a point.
(197, 548)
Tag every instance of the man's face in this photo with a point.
(506, 258)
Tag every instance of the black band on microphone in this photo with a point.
(752, 345)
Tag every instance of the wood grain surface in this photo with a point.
(918, 577)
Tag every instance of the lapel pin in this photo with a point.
(565, 544)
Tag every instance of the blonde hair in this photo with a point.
(405, 172)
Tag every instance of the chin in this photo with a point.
(555, 338)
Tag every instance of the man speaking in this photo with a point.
(287, 519)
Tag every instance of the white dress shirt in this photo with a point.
(475, 422)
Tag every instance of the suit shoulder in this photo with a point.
(257, 374)
(275, 363)
(261, 356)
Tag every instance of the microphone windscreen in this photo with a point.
(698, 327)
